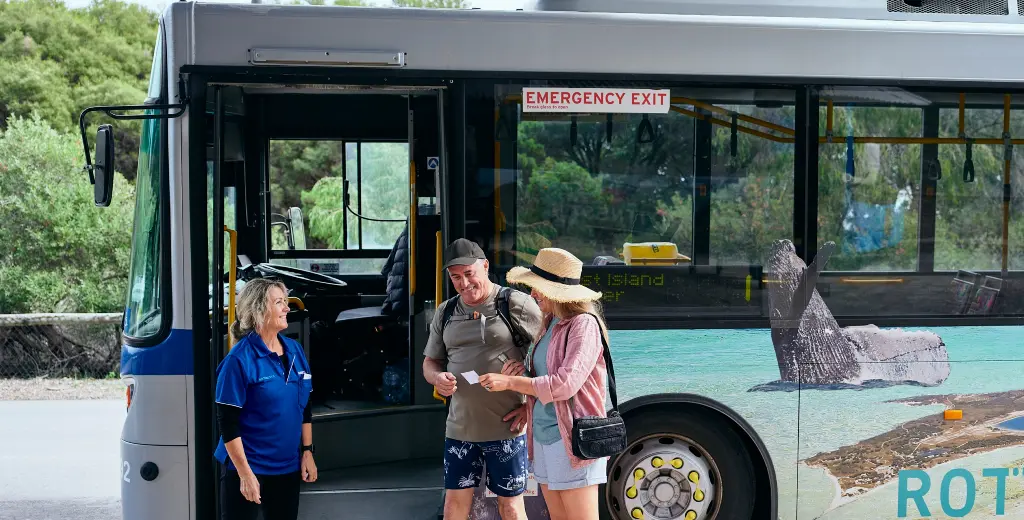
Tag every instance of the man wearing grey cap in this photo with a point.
(485, 329)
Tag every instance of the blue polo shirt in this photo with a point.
(252, 378)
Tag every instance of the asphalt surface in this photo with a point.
(60, 460)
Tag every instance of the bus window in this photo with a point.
(310, 177)
(969, 215)
(751, 180)
(671, 214)
(915, 211)
(143, 314)
(868, 202)
(143, 317)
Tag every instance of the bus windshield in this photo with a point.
(143, 315)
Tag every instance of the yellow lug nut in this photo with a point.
(631, 492)
(657, 462)
(697, 495)
(639, 473)
(691, 515)
(677, 463)
(694, 477)
(639, 513)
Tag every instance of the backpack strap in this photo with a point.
(449, 310)
(502, 304)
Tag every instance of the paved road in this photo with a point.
(60, 460)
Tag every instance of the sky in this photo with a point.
(158, 5)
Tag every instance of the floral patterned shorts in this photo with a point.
(505, 462)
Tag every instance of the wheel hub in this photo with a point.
(666, 482)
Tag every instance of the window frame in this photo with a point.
(166, 304)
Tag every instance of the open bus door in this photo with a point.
(282, 167)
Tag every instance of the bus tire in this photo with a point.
(706, 442)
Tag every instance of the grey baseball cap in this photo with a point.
(462, 252)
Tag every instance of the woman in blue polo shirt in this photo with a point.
(263, 410)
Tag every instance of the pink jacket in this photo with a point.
(576, 369)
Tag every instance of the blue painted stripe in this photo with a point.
(171, 357)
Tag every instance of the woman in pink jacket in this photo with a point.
(564, 378)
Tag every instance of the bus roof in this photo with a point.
(937, 10)
(543, 42)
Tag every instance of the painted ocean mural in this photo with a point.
(986, 368)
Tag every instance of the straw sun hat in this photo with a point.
(555, 273)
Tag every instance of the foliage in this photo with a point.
(60, 252)
(56, 61)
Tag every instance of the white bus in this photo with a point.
(805, 218)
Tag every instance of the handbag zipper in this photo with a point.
(599, 427)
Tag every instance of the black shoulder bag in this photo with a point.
(595, 437)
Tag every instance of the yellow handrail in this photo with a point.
(741, 117)
(233, 236)
(439, 262)
(741, 129)
(438, 285)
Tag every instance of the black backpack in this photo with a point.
(501, 303)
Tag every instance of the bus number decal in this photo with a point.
(127, 467)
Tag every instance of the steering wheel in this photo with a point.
(299, 277)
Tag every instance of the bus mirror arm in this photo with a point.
(105, 141)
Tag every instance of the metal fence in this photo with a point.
(59, 345)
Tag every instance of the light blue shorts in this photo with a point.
(551, 467)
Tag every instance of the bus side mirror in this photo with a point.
(297, 227)
(103, 169)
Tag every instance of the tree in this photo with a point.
(60, 253)
(56, 61)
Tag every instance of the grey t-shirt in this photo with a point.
(475, 415)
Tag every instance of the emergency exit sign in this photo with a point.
(596, 100)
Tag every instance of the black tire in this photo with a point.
(707, 430)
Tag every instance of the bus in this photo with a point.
(805, 219)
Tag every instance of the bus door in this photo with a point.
(337, 193)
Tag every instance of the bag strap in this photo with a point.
(446, 315)
(607, 361)
(502, 304)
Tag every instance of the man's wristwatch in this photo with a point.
(309, 448)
